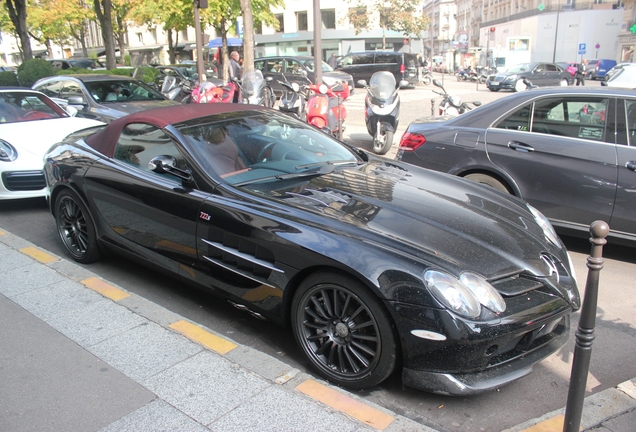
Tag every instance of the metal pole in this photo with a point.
(585, 331)
(317, 43)
(556, 31)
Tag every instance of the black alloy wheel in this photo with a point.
(76, 228)
(344, 330)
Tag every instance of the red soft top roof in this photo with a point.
(105, 140)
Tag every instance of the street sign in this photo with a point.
(597, 46)
(581, 48)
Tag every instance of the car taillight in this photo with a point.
(411, 141)
(402, 68)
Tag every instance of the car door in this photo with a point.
(273, 67)
(538, 76)
(553, 75)
(624, 215)
(295, 72)
(563, 160)
(149, 214)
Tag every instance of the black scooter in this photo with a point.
(382, 109)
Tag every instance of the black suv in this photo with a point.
(362, 65)
(298, 69)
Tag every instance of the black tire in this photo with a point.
(493, 89)
(383, 146)
(426, 80)
(489, 181)
(344, 330)
(76, 228)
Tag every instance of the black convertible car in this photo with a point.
(376, 265)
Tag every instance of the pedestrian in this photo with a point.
(580, 73)
(333, 61)
(235, 67)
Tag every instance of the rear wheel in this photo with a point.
(563, 83)
(426, 79)
(76, 228)
(344, 330)
(488, 181)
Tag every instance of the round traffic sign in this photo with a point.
(597, 46)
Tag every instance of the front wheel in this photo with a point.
(76, 228)
(493, 89)
(426, 80)
(487, 180)
(344, 330)
(520, 85)
(383, 141)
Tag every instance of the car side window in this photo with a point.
(518, 120)
(385, 58)
(51, 89)
(362, 59)
(293, 67)
(275, 66)
(345, 61)
(576, 117)
(551, 68)
(630, 108)
(259, 65)
(70, 88)
(140, 142)
(539, 68)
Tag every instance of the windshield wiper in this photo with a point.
(324, 169)
(329, 162)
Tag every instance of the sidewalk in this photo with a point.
(81, 354)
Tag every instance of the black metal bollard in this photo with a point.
(433, 106)
(585, 332)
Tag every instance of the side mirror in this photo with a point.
(436, 83)
(76, 100)
(166, 164)
(404, 84)
(362, 83)
(70, 110)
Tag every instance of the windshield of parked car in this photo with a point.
(251, 147)
(523, 67)
(24, 106)
(112, 91)
(85, 63)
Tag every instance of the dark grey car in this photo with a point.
(539, 74)
(570, 152)
(102, 97)
(299, 69)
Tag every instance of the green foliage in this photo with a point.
(146, 74)
(8, 79)
(32, 70)
(127, 59)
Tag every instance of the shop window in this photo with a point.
(301, 21)
(328, 18)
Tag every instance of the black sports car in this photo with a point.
(376, 265)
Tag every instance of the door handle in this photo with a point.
(631, 165)
(520, 147)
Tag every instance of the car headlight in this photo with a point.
(510, 78)
(466, 295)
(8, 153)
(546, 226)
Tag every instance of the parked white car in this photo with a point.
(623, 75)
(30, 123)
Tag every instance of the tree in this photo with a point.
(103, 10)
(18, 15)
(404, 16)
(48, 22)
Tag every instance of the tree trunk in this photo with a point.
(248, 36)
(18, 15)
(172, 50)
(106, 22)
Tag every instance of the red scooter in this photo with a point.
(213, 91)
(325, 108)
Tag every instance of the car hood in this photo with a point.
(135, 106)
(338, 75)
(36, 137)
(437, 218)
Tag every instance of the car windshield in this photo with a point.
(309, 64)
(113, 91)
(85, 63)
(257, 147)
(523, 67)
(24, 106)
(186, 71)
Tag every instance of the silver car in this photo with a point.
(569, 152)
(102, 97)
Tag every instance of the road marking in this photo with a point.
(554, 424)
(105, 289)
(205, 338)
(346, 404)
(38, 254)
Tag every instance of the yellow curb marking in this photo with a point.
(346, 404)
(554, 424)
(38, 254)
(105, 289)
(205, 338)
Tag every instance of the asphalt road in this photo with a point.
(543, 391)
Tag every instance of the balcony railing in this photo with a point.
(548, 9)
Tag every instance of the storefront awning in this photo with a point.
(217, 42)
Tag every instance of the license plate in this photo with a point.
(493, 83)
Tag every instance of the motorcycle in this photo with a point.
(255, 89)
(461, 74)
(213, 91)
(174, 90)
(452, 105)
(382, 110)
(325, 109)
(293, 100)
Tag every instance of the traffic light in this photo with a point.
(201, 4)
(492, 29)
